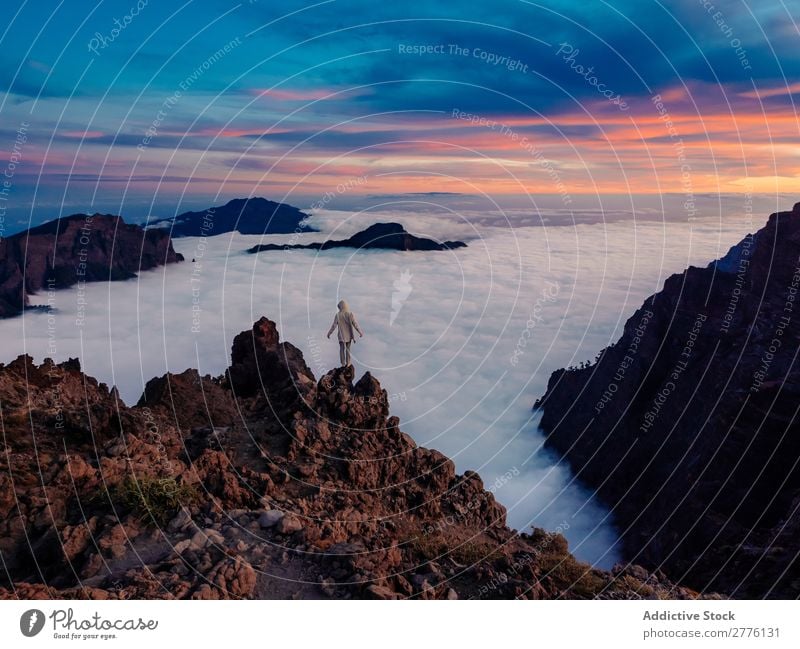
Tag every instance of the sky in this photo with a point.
(142, 108)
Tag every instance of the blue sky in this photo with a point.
(305, 95)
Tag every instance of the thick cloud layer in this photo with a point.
(464, 341)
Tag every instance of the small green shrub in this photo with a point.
(428, 546)
(156, 498)
(570, 575)
(435, 545)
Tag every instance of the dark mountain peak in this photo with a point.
(385, 236)
(384, 228)
(253, 202)
(254, 215)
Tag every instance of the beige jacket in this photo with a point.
(345, 321)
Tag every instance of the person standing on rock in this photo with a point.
(345, 321)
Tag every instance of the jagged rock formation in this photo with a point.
(74, 249)
(688, 427)
(386, 236)
(261, 483)
(244, 215)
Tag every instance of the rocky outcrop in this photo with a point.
(386, 236)
(189, 400)
(74, 249)
(261, 483)
(687, 426)
(244, 215)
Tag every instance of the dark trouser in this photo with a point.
(344, 353)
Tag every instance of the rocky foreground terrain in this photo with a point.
(688, 425)
(74, 249)
(262, 483)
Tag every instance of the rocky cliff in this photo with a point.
(687, 426)
(73, 249)
(261, 483)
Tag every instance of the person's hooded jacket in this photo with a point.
(345, 322)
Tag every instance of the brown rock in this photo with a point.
(381, 592)
(289, 524)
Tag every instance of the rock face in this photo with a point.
(76, 248)
(261, 483)
(245, 215)
(687, 426)
(387, 236)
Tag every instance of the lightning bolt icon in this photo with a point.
(32, 621)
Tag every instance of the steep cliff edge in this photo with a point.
(74, 249)
(688, 425)
(261, 483)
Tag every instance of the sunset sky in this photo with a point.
(188, 105)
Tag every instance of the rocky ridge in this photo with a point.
(261, 483)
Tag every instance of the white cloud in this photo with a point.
(445, 357)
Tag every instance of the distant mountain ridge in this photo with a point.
(244, 215)
(385, 236)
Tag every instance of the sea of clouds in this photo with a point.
(463, 341)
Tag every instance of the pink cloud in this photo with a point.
(778, 91)
(285, 94)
